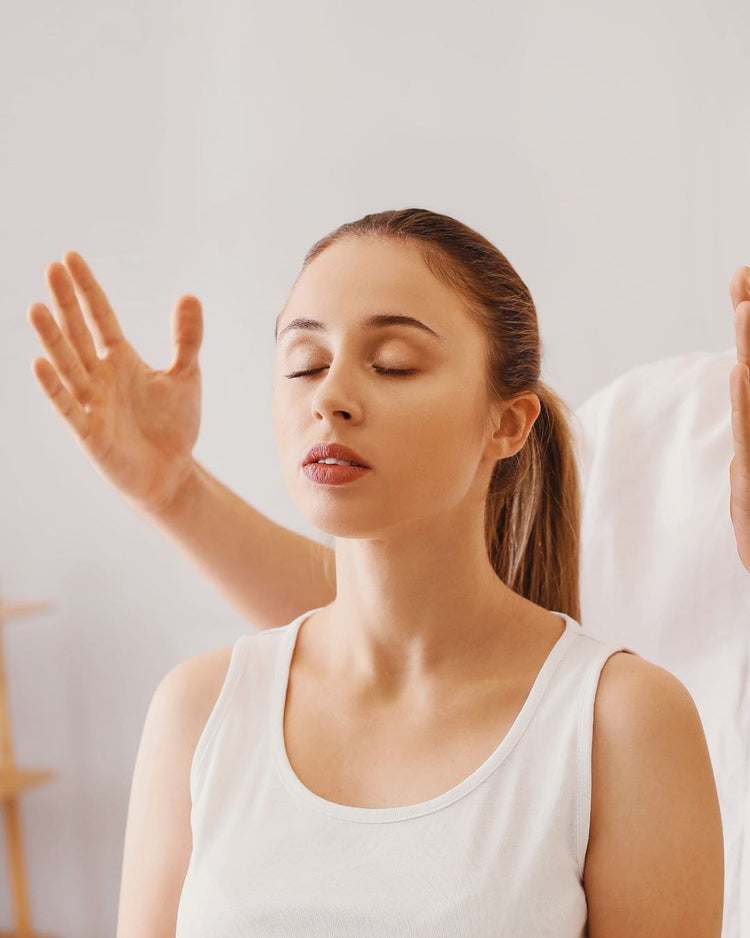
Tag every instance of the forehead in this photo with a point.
(356, 276)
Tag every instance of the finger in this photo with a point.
(63, 356)
(64, 402)
(739, 386)
(95, 302)
(742, 331)
(73, 326)
(738, 286)
(187, 332)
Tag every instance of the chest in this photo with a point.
(380, 758)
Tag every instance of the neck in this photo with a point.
(415, 604)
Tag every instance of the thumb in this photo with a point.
(187, 332)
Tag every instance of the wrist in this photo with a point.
(182, 496)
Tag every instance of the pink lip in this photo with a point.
(334, 451)
(333, 475)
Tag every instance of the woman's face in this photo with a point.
(422, 434)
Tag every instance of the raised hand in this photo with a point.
(739, 385)
(137, 425)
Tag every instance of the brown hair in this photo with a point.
(532, 514)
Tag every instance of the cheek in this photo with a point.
(444, 437)
(284, 402)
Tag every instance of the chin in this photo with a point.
(338, 517)
(342, 511)
(374, 521)
(342, 523)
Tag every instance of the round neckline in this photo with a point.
(400, 812)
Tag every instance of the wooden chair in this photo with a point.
(13, 782)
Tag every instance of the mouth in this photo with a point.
(334, 454)
(333, 473)
(336, 462)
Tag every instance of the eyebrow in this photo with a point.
(378, 321)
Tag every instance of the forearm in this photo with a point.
(267, 572)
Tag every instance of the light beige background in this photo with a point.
(202, 148)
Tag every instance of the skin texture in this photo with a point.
(655, 861)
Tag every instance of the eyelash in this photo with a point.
(382, 371)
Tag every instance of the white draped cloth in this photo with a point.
(660, 570)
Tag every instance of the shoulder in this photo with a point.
(158, 821)
(650, 692)
(655, 821)
(642, 712)
(188, 692)
(201, 671)
(180, 707)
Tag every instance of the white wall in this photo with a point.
(191, 148)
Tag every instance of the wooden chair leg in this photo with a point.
(17, 865)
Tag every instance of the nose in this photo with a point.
(335, 396)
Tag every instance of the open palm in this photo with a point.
(138, 425)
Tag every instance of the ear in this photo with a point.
(512, 423)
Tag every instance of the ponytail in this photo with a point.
(533, 511)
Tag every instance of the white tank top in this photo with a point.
(499, 854)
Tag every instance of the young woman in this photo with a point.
(435, 746)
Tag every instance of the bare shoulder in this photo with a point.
(192, 687)
(202, 670)
(640, 706)
(158, 822)
(655, 858)
(643, 685)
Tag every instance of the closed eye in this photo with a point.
(378, 369)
